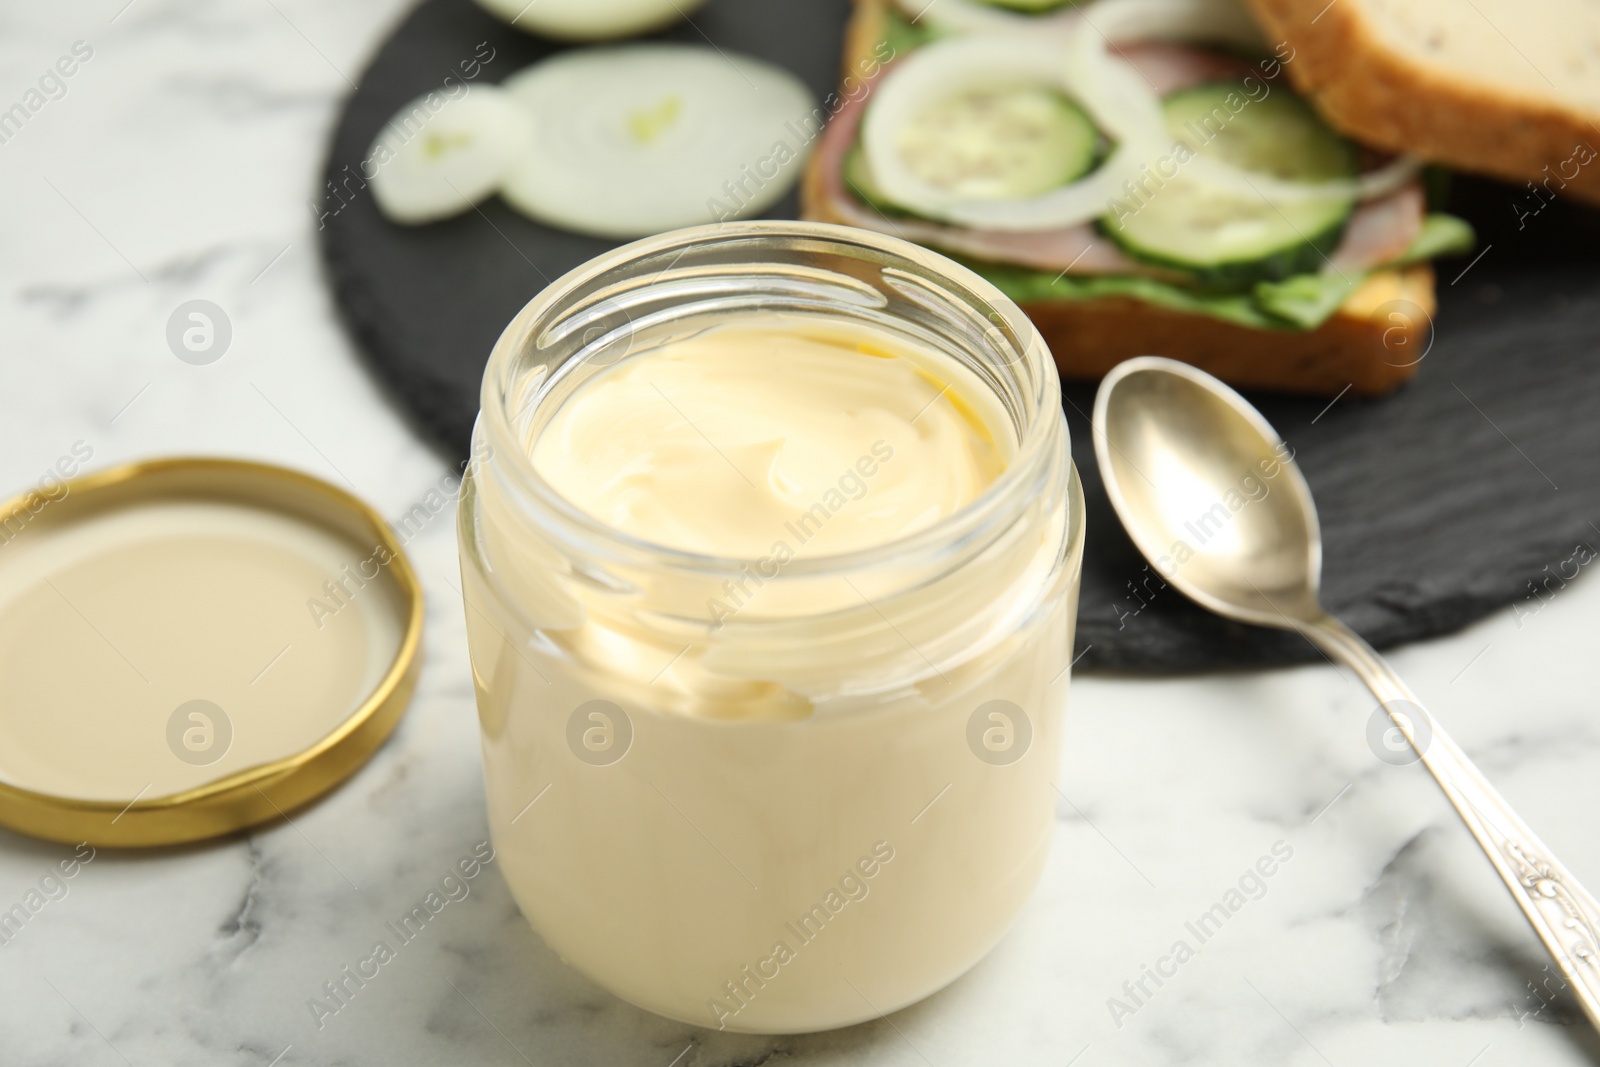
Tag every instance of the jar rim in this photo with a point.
(1029, 464)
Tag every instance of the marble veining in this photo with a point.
(179, 165)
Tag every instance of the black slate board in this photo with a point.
(1439, 503)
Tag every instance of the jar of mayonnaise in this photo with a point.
(770, 549)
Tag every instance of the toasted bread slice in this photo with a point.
(1369, 346)
(1510, 88)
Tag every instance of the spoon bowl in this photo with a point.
(1208, 492)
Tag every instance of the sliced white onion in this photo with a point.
(971, 16)
(1098, 82)
(637, 139)
(589, 20)
(1103, 82)
(439, 156)
(985, 61)
(1112, 91)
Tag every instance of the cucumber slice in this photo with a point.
(1278, 135)
(1227, 238)
(999, 143)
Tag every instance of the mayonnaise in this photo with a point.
(775, 429)
(770, 622)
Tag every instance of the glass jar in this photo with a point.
(780, 794)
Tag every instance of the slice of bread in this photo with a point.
(1510, 88)
(1368, 346)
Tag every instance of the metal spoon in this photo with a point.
(1211, 495)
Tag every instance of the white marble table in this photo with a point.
(178, 165)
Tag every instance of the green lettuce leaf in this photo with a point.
(1023, 285)
(1306, 300)
(1442, 235)
(903, 36)
(1302, 302)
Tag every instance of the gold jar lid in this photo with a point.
(190, 647)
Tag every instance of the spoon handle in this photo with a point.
(1564, 914)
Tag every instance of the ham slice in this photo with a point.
(1380, 230)
(1171, 68)
(1377, 232)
